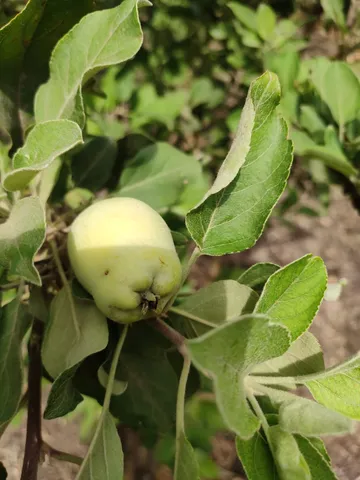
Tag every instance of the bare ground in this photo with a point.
(336, 238)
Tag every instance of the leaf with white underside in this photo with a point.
(106, 459)
(218, 303)
(100, 39)
(293, 294)
(251, 179)
(21, 236)
(76, 330)
(14, 322)
(44, 144)
(228, 354)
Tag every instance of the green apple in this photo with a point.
(122, 252)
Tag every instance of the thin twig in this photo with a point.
(33, 429)
(59, 455)
(170, 333)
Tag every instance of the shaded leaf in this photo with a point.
(76, 330)
(106, 459)
(63, 397)
(256, 458)
(251, 179)
(77, 56)
(21, 236)
(14, 323)
(92, 167)
(320, 468)
(293, 294)
(3, 472)
(228, 353)
(44, 144)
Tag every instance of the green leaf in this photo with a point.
(21, 236)
(77, 57)
(233, 213)
(163, 176)
(265, 21)
(303, 358)
(228, 353)
(337, 388)
(310, 119)
(256, 458)
(150, 398)
(106, 460)
(244, 14)
(92, 167)
(44, 144)
(320, 468)
(257, 275)
(25, 47)
(334, 9)
(286, 65)
(203, 92)
(310, 419)
(14, 323)
(48, 179)
(293, 294)
(290, 462)
(339, 87)
(187, 467)
(76, 330)
(218, 303)
(63, 397)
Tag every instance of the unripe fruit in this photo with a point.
(122, 252)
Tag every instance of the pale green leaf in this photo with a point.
(98, 40)
(233, 213)
(13, 325)
(311, 120)
(21, 236)
(290, 462)
(244, 14)
(293, 294)
(265, 21)
(76, 330)
(228, 354)
(334, 9)
(257, 275)
(310, 419)
(105, 461)
(256, 458)
(286, 65)
(218, 303)
(48, 179)
(44, 144)
(319, 466)
(186, 466)
(163, 177)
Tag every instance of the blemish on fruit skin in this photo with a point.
(106, 272)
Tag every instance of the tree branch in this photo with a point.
(33, 430)
(171, 334)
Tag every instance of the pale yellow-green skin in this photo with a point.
(121, 250)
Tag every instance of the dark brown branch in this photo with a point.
(33, 430)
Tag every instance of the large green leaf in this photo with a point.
(14, 322)
(106, 460)
(98, 40)
(229, 353)
(76, 330)
(25, 47)
(163, 177)
(44, 144)
(293, 294)
(21, 236)
(250, 180)
(256, 458)
(218, 303)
